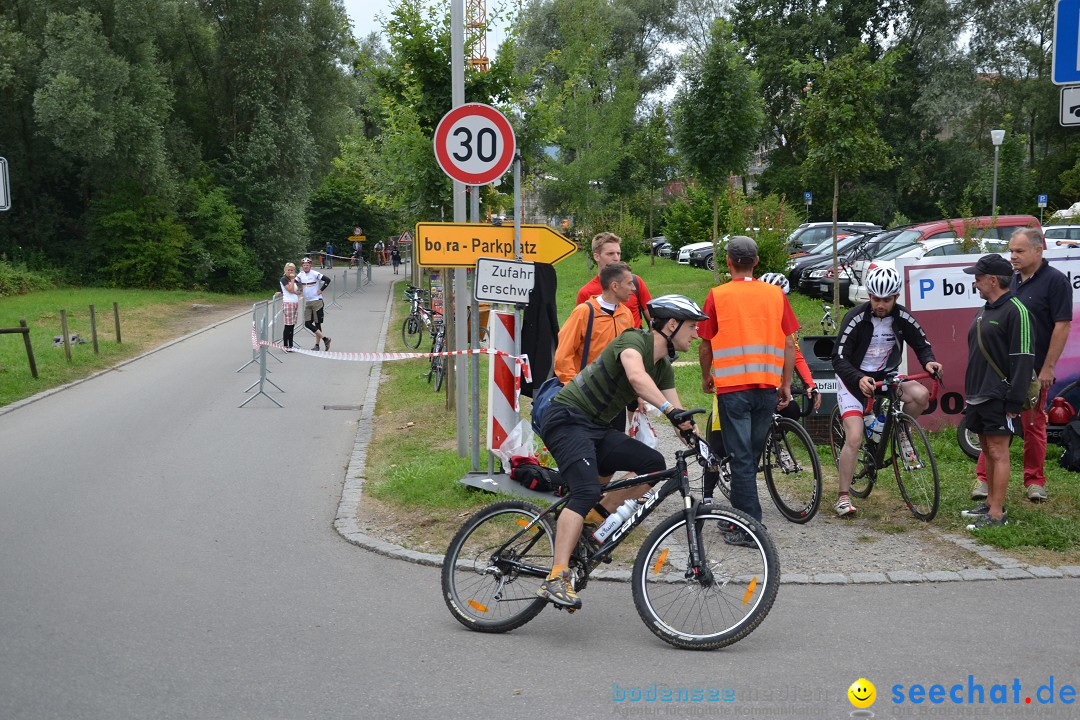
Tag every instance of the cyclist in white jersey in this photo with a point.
(870, 344)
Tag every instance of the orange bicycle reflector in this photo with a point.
(478, 607)
(749, 591)
(659, 562)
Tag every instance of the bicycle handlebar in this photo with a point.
(896, 378)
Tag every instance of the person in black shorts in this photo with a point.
(999, 336)
(576, 427)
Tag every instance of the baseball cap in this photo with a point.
(990, 264)
(741, 247)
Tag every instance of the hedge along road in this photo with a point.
(168, 555)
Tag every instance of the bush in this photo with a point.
(689, 219)
(17, 279)
(136, 241)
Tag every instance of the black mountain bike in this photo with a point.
(691, 587)
(790, 464)
(903, 445)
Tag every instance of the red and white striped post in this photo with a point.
(504, 380)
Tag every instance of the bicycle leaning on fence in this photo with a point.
(790, 464)
(903, 445)
(691, 588)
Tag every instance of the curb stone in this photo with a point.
(352, 494)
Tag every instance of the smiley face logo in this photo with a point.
(862, 693)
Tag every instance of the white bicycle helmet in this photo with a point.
(883, 282)
(679, 307)
(778, 280)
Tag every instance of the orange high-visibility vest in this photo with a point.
(748, 348)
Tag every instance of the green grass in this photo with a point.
(147, 318)
(413, 460)
(417, 467)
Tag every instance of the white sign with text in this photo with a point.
(503, 281)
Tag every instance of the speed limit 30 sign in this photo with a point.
(474, 144)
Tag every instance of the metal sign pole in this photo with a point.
(459, 341)
(474, 360)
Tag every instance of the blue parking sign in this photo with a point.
(808, 198)
(1066, 49)
(1042, 200)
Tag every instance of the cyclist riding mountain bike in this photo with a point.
(791, 410)
(870, 343)
(576, 427)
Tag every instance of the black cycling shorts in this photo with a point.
(585, 452)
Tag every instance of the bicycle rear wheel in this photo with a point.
(792, 471)
(736, 592)
(411, 332)
(916, 469)
(968, 441)
(490, 593)
(862, 482)
(440, 372)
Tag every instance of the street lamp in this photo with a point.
(996, 137)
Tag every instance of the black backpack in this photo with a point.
(528, 472)
(1070, 438)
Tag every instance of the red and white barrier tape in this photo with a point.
(522, 361)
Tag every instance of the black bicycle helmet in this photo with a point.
(680, 308)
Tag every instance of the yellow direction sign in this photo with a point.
(357, 238)
(461, 244)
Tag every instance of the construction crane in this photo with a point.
(476, 34)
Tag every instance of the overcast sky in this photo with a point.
(364, 15)
(363, 12)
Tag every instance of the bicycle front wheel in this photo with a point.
(792, 471)
(733, 594)
(493, 590)
(411, 332)
(916, 470)
(862, 482)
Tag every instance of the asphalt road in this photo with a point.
(166, 554)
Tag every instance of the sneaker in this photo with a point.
(843, 506)
(326, 343)
(560, 590)
(316, 348)
(1036, 493)
(738, 537)
(976, 512)
(987, 521)
(980, 490)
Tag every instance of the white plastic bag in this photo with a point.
(641, 429)
(518, 443)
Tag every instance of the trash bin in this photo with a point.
(818, 349)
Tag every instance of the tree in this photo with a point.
(654, 161)
(718, 114)
(839, 119)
